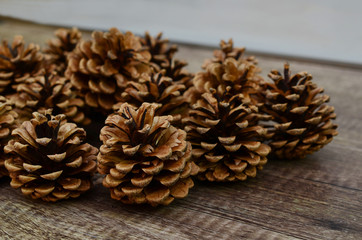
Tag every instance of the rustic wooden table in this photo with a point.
(319, 197)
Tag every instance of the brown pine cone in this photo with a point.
(59, 48)
(229, 67)
(241, 77)
(161, 52)
(226, 138)
(49, 159)
(101, 68)
(17, 63)
(146, 159)
(303, 122)
(49, 91)
(7, 124)
(227, 50)
(162, 58)
(157, 88)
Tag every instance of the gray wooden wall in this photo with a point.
(318, 29)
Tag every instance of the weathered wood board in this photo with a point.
(319, 197)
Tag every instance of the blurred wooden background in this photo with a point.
(319, 197)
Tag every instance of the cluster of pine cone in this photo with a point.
(163, 124)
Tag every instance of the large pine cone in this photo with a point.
(49, 91)
(17, 63)
(101, 68)
(7, 124)
(157, 88)
(303, 122)
(59, 48)
(146, 159)
(226, 138)
(49, 159)
(162, 58)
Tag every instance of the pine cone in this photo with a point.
(49, 91)
(156, 88)
(228, 68)
(303, 123)
(101, 68)
(162, 58)
(226, 138)
(49, 159)
(146, 159)
(242, 78)
(227, 50)
(7, 124)
(59, 48)
(161, 52)
(17, 63)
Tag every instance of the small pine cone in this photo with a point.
(227, 50)
(49, 91)
(157, 88)
(17, 63)
(161, 53)
(226, 138)
(49, 159)
(59, 48)
(162, 58)
(101, 68)
(243, 78)
(7, 124)
(146, 159)
(303, 122)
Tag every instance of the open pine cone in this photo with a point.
(157, 88)
(49, 159)
(242, 78)
(226, 138)
(7, 124)
(161, 52)
(146, 159)
(162, 58)
(303, 122)
(229, 67)
(101, 68)
(227, 50)
(49, 91)
(59, 48)
(17, 63)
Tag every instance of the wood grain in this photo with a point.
(319, 197)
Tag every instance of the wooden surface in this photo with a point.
(319, 197)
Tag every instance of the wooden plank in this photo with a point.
(319, 197)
